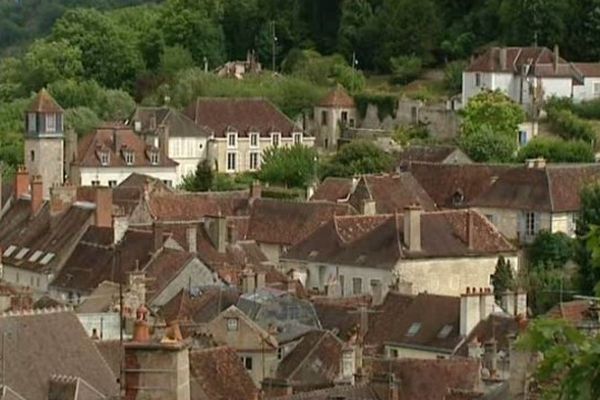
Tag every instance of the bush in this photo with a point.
(294, 166)
(410, 134)
(569, 126)
(453, 75)
(556, 150)
(357, 157)
(551, 250)
(405, 68)
(386, 104)
(486, 145)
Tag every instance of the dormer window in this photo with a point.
(129, 157)
(104, 158)
(31, 122)
(275, 138)
(50, 122)
(298, 138)
(254, 140)
(154, 157)
(232, 140)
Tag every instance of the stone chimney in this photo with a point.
(412, 228)
(191, 234)
(490, 357)
(103, 217)
(158, 231)
(368, 207)
(261, 280)
(486, 303)
(521, 303)
(22, 182)
(248, 282)
(503, 57)
(556, 58)
(217, 231)
(470, 312)
(37, 194)
(62, 197)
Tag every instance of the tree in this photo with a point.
(406, 68)
(453, 75)
(294, 166)
(201, 180)
(175, 59)
(503, 279)
(557, 151)
(551, 250)
(489, 127)
(357, 157)
(81, 120)
(588, 238)
(356, 33)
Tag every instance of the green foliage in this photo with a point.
(551, 250)
(489, 127)
(453, 75)
(503, 279)
(82, 120)
(569, 126)
(386, 104)
(405, 68)
(175, 59)
(411, 134)
(557, 151)
(274, 192)
(357, 157)
(201, 180)
(294, 166)
(587, 238)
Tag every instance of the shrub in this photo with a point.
(453, 75)
(405, 68)
(556, 150)
(569, 126)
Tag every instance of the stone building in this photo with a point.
(334, 112)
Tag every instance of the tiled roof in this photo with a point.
(443, 234)
(430, 379)
(433, 154)
(575, 311)
(489, 61)
(44, 103)
(102, 140)
(179, 125)
(112, 351)
(333, 189)
(591, 70)
(37, 242)
(64, 387)
(48, 344)
(218, 374)
(289, 222)
(163, 268)
(338, 97)
(195, 206)
(346, 392)
(391, 193)
(241, 115)
(100, 299)
(339, 316)
(497, 326)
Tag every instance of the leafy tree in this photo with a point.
(489, 127)
(175, 59)
(81, 120)
(503, 279)
(201, 180)
(406, 68)
(453, 75)
(115, 105)
(241, 22)
(557, 151)
(11, 85)
(551, 249)
(357, 157)
(587, 238)
(357, 31)
(294, 166)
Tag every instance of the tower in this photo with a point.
(44, 140)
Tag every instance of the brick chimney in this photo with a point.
(62, 197)
(412, 228)
(191, 234)
(21, 182)
(37, 194)
(103, 217)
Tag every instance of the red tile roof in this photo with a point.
(575, 311)
(489, 61)
(333, 189)
(241, 115)
(218, 374)
(163, 268)
(591, 70)
(338, 97)
(195, 206)
(102, 140)
(44, 103)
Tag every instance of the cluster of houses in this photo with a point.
(378, 287)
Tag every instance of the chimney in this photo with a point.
(470, 232)
(508, 302)
(37, 194)
(141, 330)
(255, 190)
(62, 197)
(22, 182)
(120, 226)
(217, 231)
(521, 303)
(556, 58)
(172, 333)
(116, 140)
(158, 235)
(248, 282)
(412, 228)
(232, 237)
(261, 280)
(163, 140)
(503, 56)
(103, 216)
(470, 313)
(490, 357)
(486, 303)
(368, 207)
(191, 234)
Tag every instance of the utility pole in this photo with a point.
(273, 45)
(354, 62)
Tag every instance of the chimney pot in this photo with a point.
(141, 330)
(37, 194)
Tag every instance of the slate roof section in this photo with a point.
(103, 139)
(63, 387)
(289, 222)
(381, 244)
(44, 103)
(338, 98)
(218, 374)
(199, 308)
(188, 207)
(51, 344)
(333, 189)
(241, 115)
(341, 318)
(178, 124)
(112, 352)
(574, 311)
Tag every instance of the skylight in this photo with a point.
(444, 332)
(414, 329)
(21, 253)
(47, 258)
(35, 256)
(11, 249)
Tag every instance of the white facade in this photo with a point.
(113, 176)
(188, 152)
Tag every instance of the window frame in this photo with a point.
(297, 138)
(231, 135)
(31, 122)
(531, 223)
(477, 79)
(95, 183)
(104, 158)
(254, 137)
(129, 157)
(273, 136)
(50, 128)
(112, 183)
(232, 324)
(356, 280)
(154, 157)
(252, 154)
(234, 154)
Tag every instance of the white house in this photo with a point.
(107, 156)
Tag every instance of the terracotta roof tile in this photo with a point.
(575, 311)
(489, 60)
(44, 103)
(163, 268)
(432, 154)
(195, 206)
(333, 189)
(591, 70)
(338, 97)
(178, 124)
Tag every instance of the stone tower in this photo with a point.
(44, 140)
(335, 112)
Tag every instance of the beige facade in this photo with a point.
(44, 157)
(234, 154)
(329, 122)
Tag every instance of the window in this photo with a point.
(254, 140)
(445, 331)
(351, 123)
(356, 285)
(112, 183)
(490, 217)
(596, 88)
(129, 157)
(342, 284)
(254, 160)
(344, 117)
(297, 138)
(31, 122)
(105, 158)
(394, 353)
(32, 155)
(168, 182)
(522, 138)
(531, 223)
(232, 324)
(51, 122)
(324, 118)
(154, 157)
(280, 353)
(232, 140)
(477, 79)
(231, 162)
(95, 183)
(413, 329)
(275, 139)
(247, 361)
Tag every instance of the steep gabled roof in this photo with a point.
(179, 124)
(44, 103)
(333, 189)
(338, 98)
